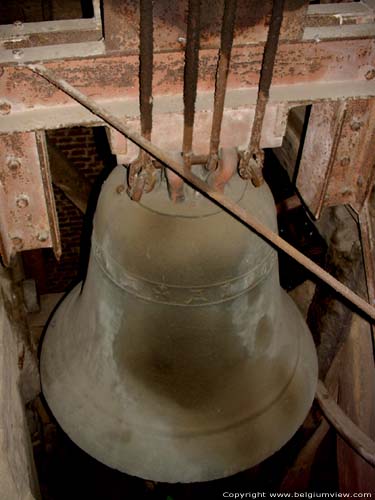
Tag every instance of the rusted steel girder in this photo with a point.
(28, 217)
(337, 165)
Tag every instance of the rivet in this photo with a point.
(120, 189)
(42, 236)
(5, 108)
(22, 201)
(17, 243)
(345, 162)
(370, 75)
(17, 53)
(355, 126)
(13, 164)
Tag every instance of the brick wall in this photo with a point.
(80, 146)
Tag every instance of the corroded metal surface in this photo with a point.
(337, 164)
(27, 217)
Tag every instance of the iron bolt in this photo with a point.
(22, 201)
(13, 164)
(42, 236)
(370, 75)
(345, 162)
(17, 243)
(17, 53)
(5, 108)
(355, 126)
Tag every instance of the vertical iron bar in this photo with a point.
(191, 77)
(227, 31)
(141, 173)
(146, 67)
(253, 168)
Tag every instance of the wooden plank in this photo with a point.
(357, 399)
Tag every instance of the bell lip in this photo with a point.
(303, 381)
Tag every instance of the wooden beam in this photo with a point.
(67, 178)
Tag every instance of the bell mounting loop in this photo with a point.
(251, 165)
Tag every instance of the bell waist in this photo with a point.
(162, 292)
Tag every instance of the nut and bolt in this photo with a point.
(42, 236)
(370, 75)
(22, 201)
(17, 243)
(345, 162)
(17, 53)
(13, 164)
(355, 126)
(5, 108)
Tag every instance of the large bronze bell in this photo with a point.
(181, 359)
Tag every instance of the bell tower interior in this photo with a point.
(187, 249)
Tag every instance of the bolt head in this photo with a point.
(370, 75)
(355, 126)
(22, 201)
(5, 108)
(42, 236)
(17, 243)
(17, 53)
(345, 161)
(120, 189)
(13, 164)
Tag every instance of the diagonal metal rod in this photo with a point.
(227, 31)
(190, 77)
(220, 198)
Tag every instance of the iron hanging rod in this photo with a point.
(146, 49)
(141, 171)
(190, 77)
(251, 163)
(219, 198)
(227, 31)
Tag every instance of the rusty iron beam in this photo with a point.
(221, 199)
(337, 165)
(227, 31)
(304, 72)
(28, 217)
